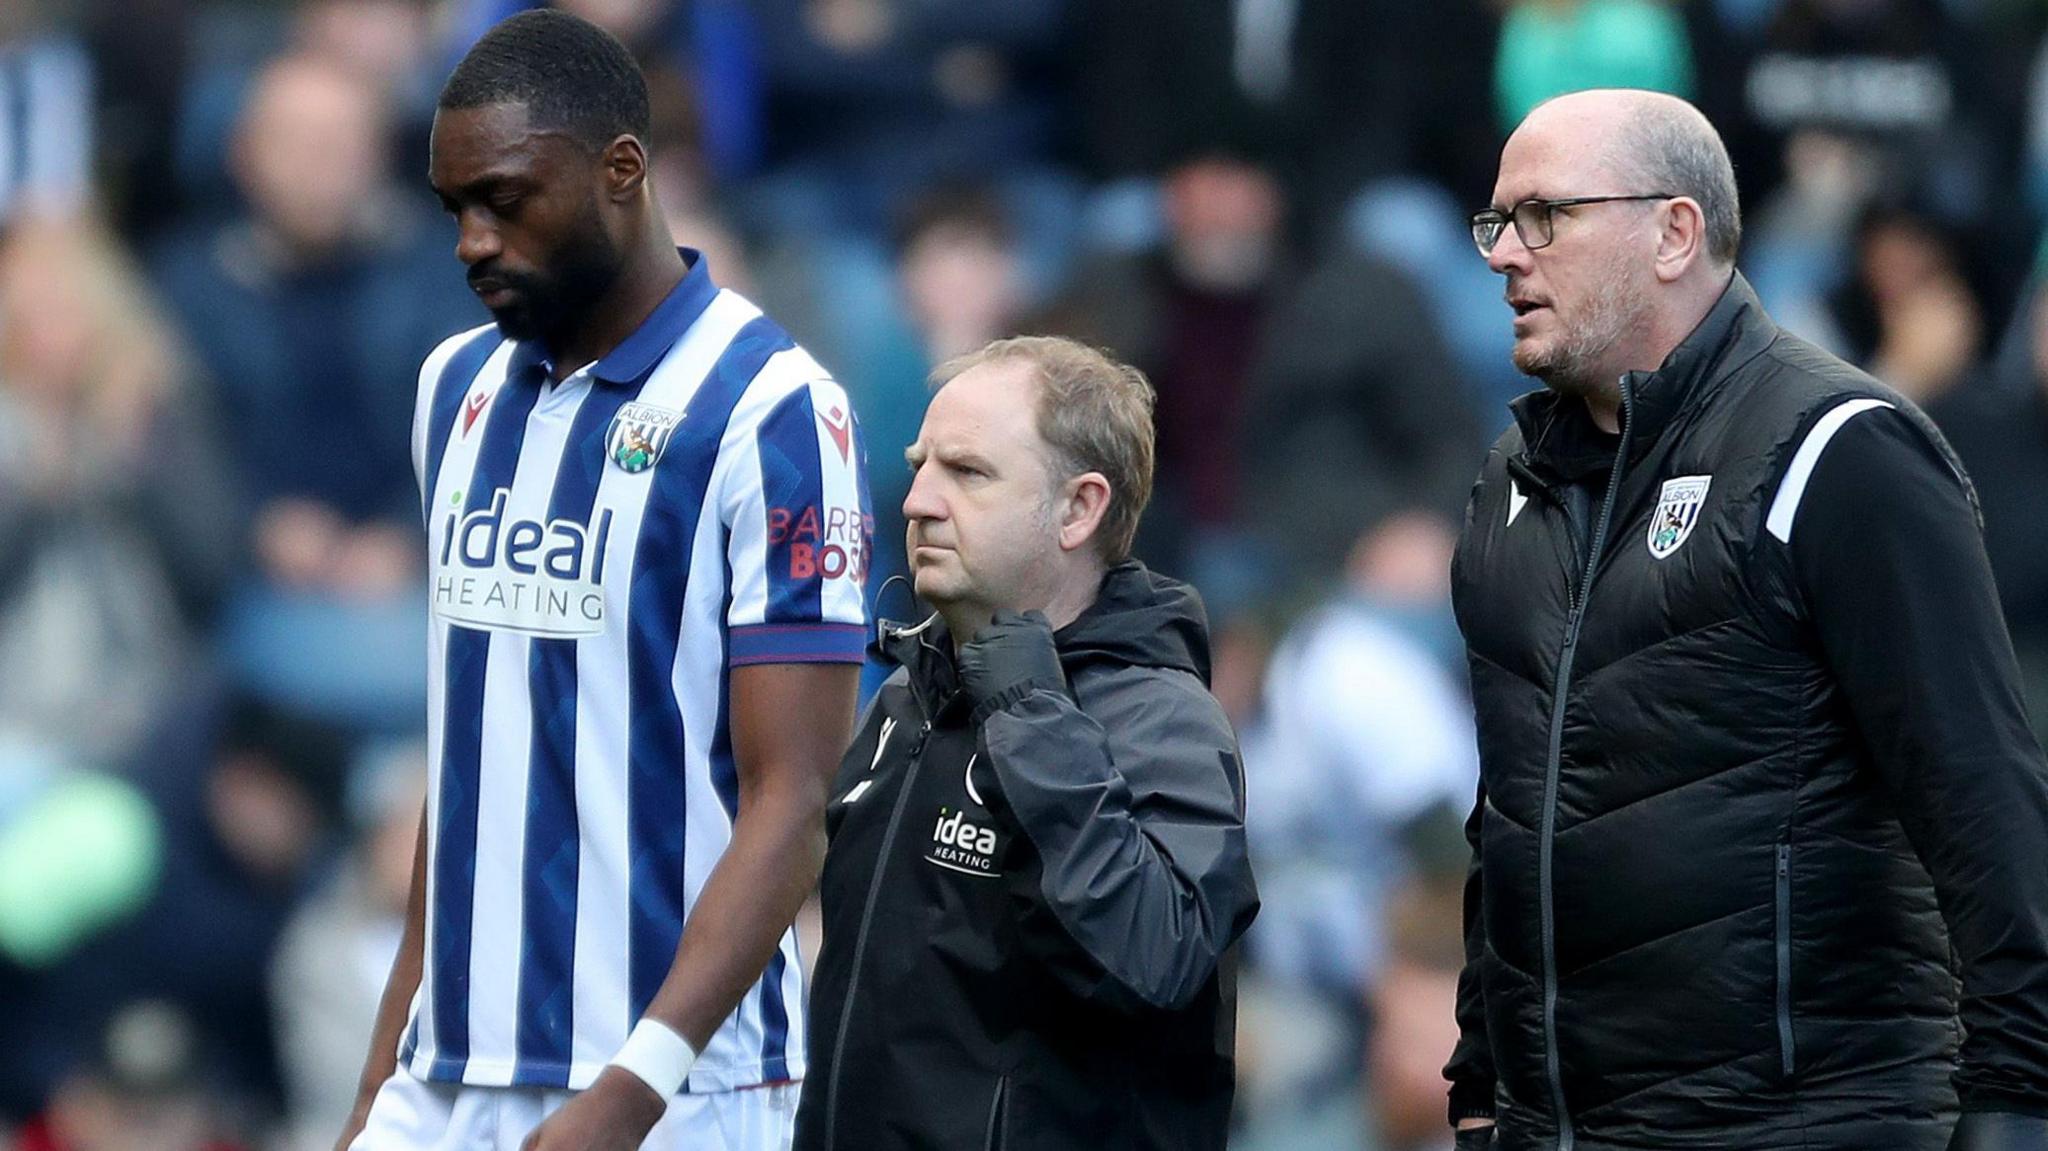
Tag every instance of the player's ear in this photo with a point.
(1084, 500)
(625, 167)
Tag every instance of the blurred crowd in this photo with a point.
(220, 268)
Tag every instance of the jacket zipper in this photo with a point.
(996, 1119)
(1785, 1048)
(1584, 587)
(860, 940)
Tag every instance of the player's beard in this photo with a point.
(554, 301)
(1573, 365)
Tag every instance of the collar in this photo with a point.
(925, 650)
(644, 347)
(1561, 439)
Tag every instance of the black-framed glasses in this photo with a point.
(1531, 219)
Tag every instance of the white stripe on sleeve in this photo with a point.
(1790, 490)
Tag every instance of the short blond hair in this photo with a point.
(1094, 412)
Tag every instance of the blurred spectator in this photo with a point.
(141, 58)
(1908, 315)
(1413, 1005)
(957, 272)
(1846, 102)
(141, 1091)
(336, 953)
(1365, 733)
(1874, 67)
(1402, 566)
(870, 102)
(876, 98)
(1301, 407)
(1550, 47)
(2001, 433)
(1326, 94)
(246, 796)
(1239, 652)
(960, 286)
(117, 543)
(313, 313)
(1357, 414)
(1797, 243)
(46, 83)
(1907, 86)
(113, 504)
(708, 233)
(1194, 315)
(385, 42)
(1358, 767)
(179, 75)
(389, 45)
(1298, 1064)
(1417, 226)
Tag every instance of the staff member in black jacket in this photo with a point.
(1037, 862)
(1753, 759)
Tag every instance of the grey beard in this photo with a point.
(1573, 368)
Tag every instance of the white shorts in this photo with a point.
(410, 1115)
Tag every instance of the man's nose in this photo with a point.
(923, 502)
(478, 242)
(1509, 254)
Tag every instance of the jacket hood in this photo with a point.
(1139, 619)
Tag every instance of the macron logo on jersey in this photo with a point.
(472, 408)
(527, 576)
(837, 425)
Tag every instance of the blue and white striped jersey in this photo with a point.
(602, 552)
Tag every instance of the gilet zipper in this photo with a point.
(1580, 591)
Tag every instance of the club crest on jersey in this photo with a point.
(639, 434)
(1678, 509)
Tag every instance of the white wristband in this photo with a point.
(659, 1056)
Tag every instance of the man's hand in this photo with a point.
(614, 1114)
(1007, 660)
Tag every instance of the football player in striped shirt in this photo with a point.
(648, 531)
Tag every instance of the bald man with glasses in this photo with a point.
(1760, 853)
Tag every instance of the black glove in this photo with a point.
(1009, 659)
(1999, 1131)
(1474, 1139)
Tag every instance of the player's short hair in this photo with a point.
(1094, 413)
(571, 75)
